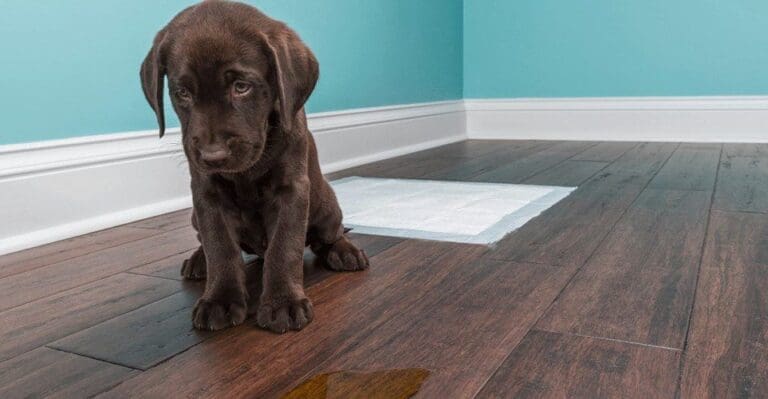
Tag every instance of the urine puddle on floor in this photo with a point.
(383, 384)
(468, 212)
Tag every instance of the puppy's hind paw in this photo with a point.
(281, 315)
(345, 256)
(214, 315)
(194, 267)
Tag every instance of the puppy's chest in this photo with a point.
(253, 199)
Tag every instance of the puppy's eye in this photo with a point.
(241, 88)
(183, 94)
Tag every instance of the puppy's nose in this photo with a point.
(214, 156)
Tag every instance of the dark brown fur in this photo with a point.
(238, 82)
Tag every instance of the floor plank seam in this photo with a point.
(536, 149)
(738, 211)
(81, 254)
(622, 341)
(93, 358)
(102, 278)
(683, 356)
(534, 174)
(47, 345)
(152, 275)
(573, 275)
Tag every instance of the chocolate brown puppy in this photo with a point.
(238, 82)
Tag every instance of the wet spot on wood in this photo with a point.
(384, 384)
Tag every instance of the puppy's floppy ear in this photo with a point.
(153, 76)
(295, 71)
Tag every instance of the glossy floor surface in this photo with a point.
(650, 280)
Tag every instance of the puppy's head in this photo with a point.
(237, 81)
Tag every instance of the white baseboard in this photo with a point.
(58, 189)
(677, 119)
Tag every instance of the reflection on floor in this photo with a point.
(647, 281)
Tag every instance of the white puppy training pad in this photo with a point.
(476, 213)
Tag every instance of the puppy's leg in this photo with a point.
(194, 267)
(224, 301)
(283, 304)
(328, 240)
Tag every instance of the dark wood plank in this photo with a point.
(399, 277)
(568, 173)
(168, 267)
(461, 330)
(416, 168)
(48, 373)
(48, 280)
(472, 149)
(167, 222)
(148, 335)
(551, 365)
(691, 167)
(642, 162)
(605, 152)
(33, 258)
(758, 150)
(568, 232)
(520, 169)
(164, 328)
(742, 185)
(465, 169)
(43, 321)
(640, 283)
(727, 354)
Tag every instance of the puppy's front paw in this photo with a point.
(345, 256)
(194, 267)
(216, 315)
(282, 314)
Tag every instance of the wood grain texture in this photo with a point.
(163, 329)
(48, 373)
(727, 354)
(37, 323)
(466, 168)
(742, 185)
(143, 337)
(520, 169)
(759, 150)
(624, 244)
(691, 167)
(44, 281)
(568, 232)
(639, 285)
(167, 222)
(568, 173)
(449, 331)
(552, 365)
(474, 149)
(344, 303)
(416, 168)
(19, 262)
(168, 267)
(605, 151)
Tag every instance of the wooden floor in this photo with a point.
(649, 281)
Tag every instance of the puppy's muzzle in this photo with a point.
(214, 157)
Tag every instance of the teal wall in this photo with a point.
(577, 48)
(70, 67)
